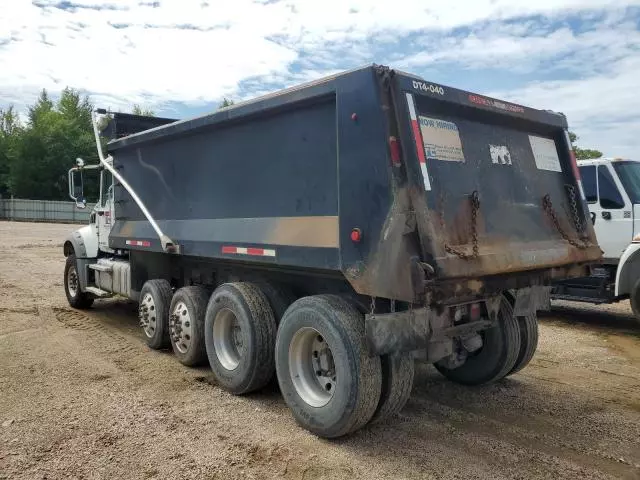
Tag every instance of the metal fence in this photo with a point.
(21, 209)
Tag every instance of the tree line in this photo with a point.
(35, 155)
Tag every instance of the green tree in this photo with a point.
(42, 106)
(583, 154)
(226, 102)
(55, 134)
(10, 130)
(138, 110)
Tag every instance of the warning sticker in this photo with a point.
(545, 153)
(441, 140)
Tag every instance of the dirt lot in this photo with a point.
(82, 397)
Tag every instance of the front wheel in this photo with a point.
(325, 373)
(75, 296)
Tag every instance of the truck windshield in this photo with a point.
(629, 173)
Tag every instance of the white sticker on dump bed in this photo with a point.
(545, 153)
(441, 140)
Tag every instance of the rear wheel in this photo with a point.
(75, 296)
(325, 373)
(153, 312)
(497, 356)
(240, 332)
(397, 382)
(186, 325)
(528, 338)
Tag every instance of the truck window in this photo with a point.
(106, 190)
(629, 173)
(609, 195)
(588, 175)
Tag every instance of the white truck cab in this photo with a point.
(612, 191)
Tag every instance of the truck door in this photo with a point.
(614, 218)
(104, 211)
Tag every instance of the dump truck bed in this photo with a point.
(398, 184)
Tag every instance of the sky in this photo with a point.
(181, 57)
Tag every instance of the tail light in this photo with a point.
(394, 148)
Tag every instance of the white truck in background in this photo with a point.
(612, 191)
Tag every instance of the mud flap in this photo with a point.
(398, 332)
(419, 329)
(531, 299)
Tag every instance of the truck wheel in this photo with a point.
(76, 297)
(279, 298)
(497, 356)
(153, 312)
(240, 333)
(397, 382)
(635, 299)
(186, 324)
(528, 338)
(325, 373)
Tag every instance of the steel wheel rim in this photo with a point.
(148, 315)
(312, 367)
(227, 339)
(180, 327)
(72, 281)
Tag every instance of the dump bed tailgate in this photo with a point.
(499, 191)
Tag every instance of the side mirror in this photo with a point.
(76, 192)
(79, 162)
(593, 218)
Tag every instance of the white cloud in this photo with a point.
(602, 109)
(184, 52)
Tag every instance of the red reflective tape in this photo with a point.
(417, 137)
(255, 252)
(138, 243)
(395, 151)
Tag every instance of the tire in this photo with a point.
(328, 406)
(186, 325)
(76, 297)
(244, 307)
(634, 299)
(497, 356)
(153, 312)
(397, 382)
(279, 298)
(528, 338)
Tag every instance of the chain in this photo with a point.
(548, 207)
(574, 209)
(373, 307)
(475, 206)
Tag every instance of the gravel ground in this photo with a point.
(82, 397)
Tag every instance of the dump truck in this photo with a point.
(330, 235)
